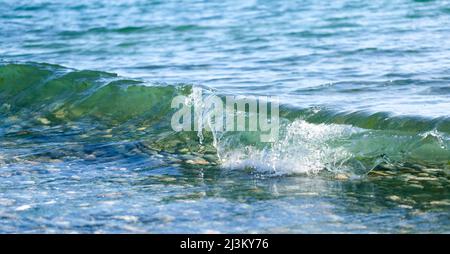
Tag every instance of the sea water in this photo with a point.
(86, 144)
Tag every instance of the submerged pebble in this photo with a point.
(184, 150)
(417, 186)
(440, 202)
(43, 120)
(341, 177)
(425, 178)
(394, 198)
(405, 206)
(378, 173)
(198, 162)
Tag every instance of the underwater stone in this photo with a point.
(43, 120)
(341, 177)
(425, 178)
(432, 170)
(377, 173)
(405, 206)
(418, 186)
(211, 158)
(198, 162)
(183, 150)
(167, 179)
(60, 114)
(440, 202)
(394, 198)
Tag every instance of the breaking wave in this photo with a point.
(52, 103)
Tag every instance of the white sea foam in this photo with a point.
(303, 148)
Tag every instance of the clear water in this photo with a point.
(85, 91)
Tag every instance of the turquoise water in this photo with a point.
(86, 144)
